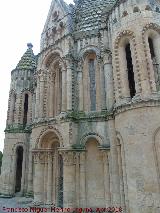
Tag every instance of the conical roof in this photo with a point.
(28, 60)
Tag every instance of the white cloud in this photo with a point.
(21, 22)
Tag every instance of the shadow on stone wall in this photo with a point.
(1, 155)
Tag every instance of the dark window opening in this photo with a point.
(130, 71)
(151, 48)
(92, 84)
(13, 108)
(25, 110)
(19, 154)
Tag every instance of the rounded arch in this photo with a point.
(91, 135)
(17, 145)
(24, 93)
(51, 55)
(89, 50)
(151, 31)
(125, 37)
(91, 95)
(55, 72)
(50, 131)
(151, 26)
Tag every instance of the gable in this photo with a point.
(57, 24)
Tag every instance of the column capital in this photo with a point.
(68, 157)
(82, 157)
(107, 57)
(104, 154)
(41, 156)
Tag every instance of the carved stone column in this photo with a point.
(69, 189)
(51, 96)
(23, 179)
(45, 176)
(106, 178)
(69, 85)
(98, 84)
(121, 176)
(37, 99)
(30, 179)
(80, 87)
(49, 181)
(41, 89)
(63, 109)
(33, 106)
(147, 81)
(38, 176)
(108, 75)
(116, 199)
(77, 164)
(82, 180)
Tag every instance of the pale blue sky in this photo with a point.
(21, 21)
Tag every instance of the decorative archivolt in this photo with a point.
(88, 50)
(126, 35)
(92, 135)
(149, 27)
(47, 130)
(19, 144)
(50, 56)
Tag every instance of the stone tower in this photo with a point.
(83, 126)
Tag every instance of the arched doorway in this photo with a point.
(19, 161)
(48, 180)
(95, 192)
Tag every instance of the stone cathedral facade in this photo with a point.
(83, 123)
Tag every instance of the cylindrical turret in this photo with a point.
(21, 90)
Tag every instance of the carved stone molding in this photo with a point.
(55, 131)
(156, 28)
(131, 36)
(43, 156)
(107, 57)
(69, 157)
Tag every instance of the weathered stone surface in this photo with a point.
(87, 117)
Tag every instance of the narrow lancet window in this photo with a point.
(151, 48)
(131, 80)
(92, 84)
(12, 108)
(25, 110)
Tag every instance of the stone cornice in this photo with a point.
(77, 117)
(18, 128)
(136, 105)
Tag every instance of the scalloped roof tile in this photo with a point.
(90, 12)
(28, 60)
